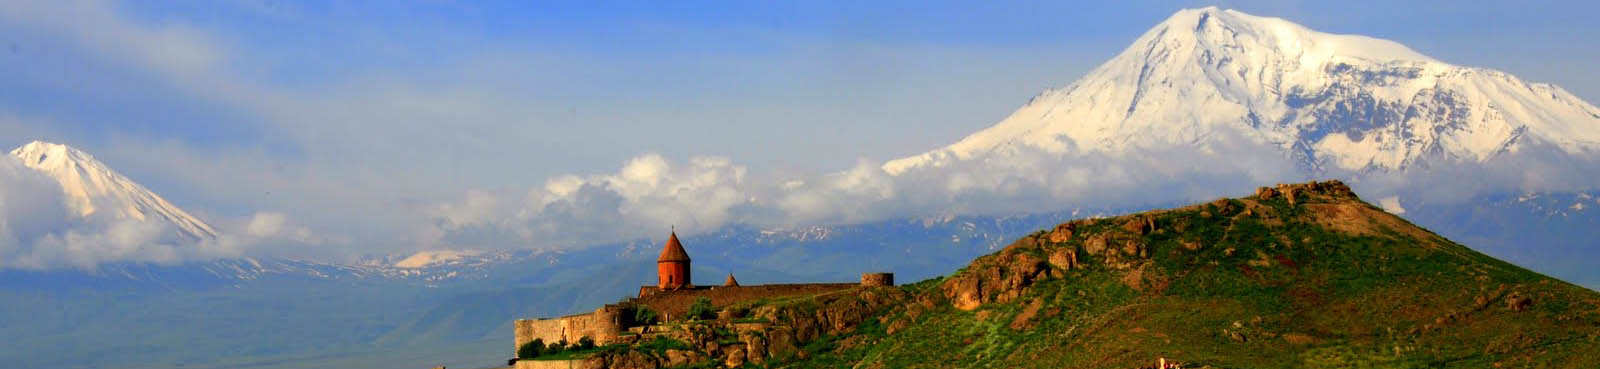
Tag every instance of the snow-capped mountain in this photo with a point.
(92, 188)
(1328, 101)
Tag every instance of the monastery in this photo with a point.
(671, 296)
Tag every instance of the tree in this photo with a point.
(643, 315)
(702, 309)
(530, 350)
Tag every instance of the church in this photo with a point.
(672, 270)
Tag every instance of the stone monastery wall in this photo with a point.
(673, 304)
(602, 326)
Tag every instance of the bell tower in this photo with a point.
(672, 268)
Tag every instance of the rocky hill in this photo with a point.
(1302, 275)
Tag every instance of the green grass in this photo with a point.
(660, 345)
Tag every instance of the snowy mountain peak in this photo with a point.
(1216, 28)
(1328, 101)
(93, 188)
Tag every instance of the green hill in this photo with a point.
(1297, 276)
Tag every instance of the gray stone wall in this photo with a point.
(602, 326)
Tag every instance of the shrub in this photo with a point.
(556, 348)
(530, 350)
(702, 309)
(585, 343)
(643, 315)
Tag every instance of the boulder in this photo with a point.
(1064, 258)
(733, 356)
(1265, 193)
(755, 347)
(1518, 302)
(1236, 336)
(1139, 225)
(780, 342)
(677, 357)
(1133, 247)
(1096, 245)
(1063, 232)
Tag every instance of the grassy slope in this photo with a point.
(1338, 284)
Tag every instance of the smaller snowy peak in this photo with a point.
(423, 259)
(93, 188)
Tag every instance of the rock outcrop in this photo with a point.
(1117, 243)
(777, 333)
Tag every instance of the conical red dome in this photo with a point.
(673, 251)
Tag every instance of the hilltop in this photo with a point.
(1303, 275)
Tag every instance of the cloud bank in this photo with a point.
(650, 193)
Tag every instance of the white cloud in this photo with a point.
(650, 193)
(276, 226)
(1391, 204)
(647, 194)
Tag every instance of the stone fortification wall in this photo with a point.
(559, 364)
(602, 326)
(674, 303)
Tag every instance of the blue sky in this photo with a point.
(331, 111)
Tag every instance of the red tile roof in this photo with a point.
(673, 250)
